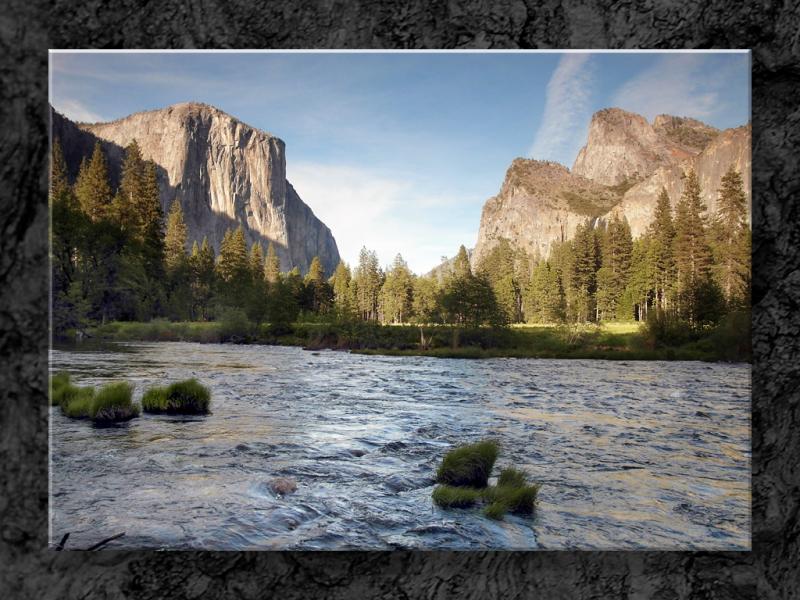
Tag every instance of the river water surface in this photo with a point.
(630, 455)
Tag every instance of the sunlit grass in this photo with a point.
(468, 465)
(182, 397)
(113, 402)
(79, 403)
(448, 496)
(464, 475)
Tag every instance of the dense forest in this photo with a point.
(116, 256)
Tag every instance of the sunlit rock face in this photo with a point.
(540, 202)
(730, 148)
(621, 170)
(225, 174)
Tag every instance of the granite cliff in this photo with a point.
(621, 170)
(225, 174)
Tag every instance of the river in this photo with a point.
(630, 455)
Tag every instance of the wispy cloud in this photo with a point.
(567, 110)
(76, 111)
(363, 207)
(689, 85)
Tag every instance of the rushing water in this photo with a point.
(630, 455)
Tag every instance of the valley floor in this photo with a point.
(610, 341)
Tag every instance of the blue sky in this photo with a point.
(399, 151)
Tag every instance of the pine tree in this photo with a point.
(60, 189)
(68, 227)
(691, 250)
(315, 273)
(585, 264)
(425, 303)
(293, 282)
(255, 303)
(272, 265)
(662, 236)
(461, 266)
(500, 266)
(151, 217)
(732, 243)
(367, 280)
(233, 267)
(203, 279)
(638, 295)
(92, 188)
(544, 296)
(343, 292)
(256, 262)
(282, 306)
(175, 239)
(130, 192)
(396, 296)
(178, 271)
(612, 277)
(318, 291)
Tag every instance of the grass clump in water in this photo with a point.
(468, 466)
(182, 397)
(495, 511)
(512, 477)
(58, 384)
(464, 475)
(77, 402)
(448, 496)
(155, 400)
(113, 403)
(515, 496)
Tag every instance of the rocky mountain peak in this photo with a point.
(685, 132)
(224, 172)
(621, 170)
(621, 146)
(624, 147)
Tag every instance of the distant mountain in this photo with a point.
(224, 172)
(621, 170)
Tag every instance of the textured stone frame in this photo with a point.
(29, 27)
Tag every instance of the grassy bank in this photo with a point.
(612, 341)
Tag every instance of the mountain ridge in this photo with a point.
(225, 172)
(619, 171)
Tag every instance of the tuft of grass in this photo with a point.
(495, 511)
(464, 474)
(182, 397)
(113, 403)
(77, 402)
(468, 466)
(518, 499)
(58, 382)
(155, 400)
(448, 496)
(512, 477)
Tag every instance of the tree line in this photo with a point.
(117, 257)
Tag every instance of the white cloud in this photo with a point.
(363, 207)
(75, 111)
(685, 85)
(567, 110)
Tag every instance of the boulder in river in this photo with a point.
(283, 485)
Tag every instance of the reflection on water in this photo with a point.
(631, 455)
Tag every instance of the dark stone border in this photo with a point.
(29, 27)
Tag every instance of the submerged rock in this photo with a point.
(283, 485)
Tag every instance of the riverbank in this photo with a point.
(609, 341)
